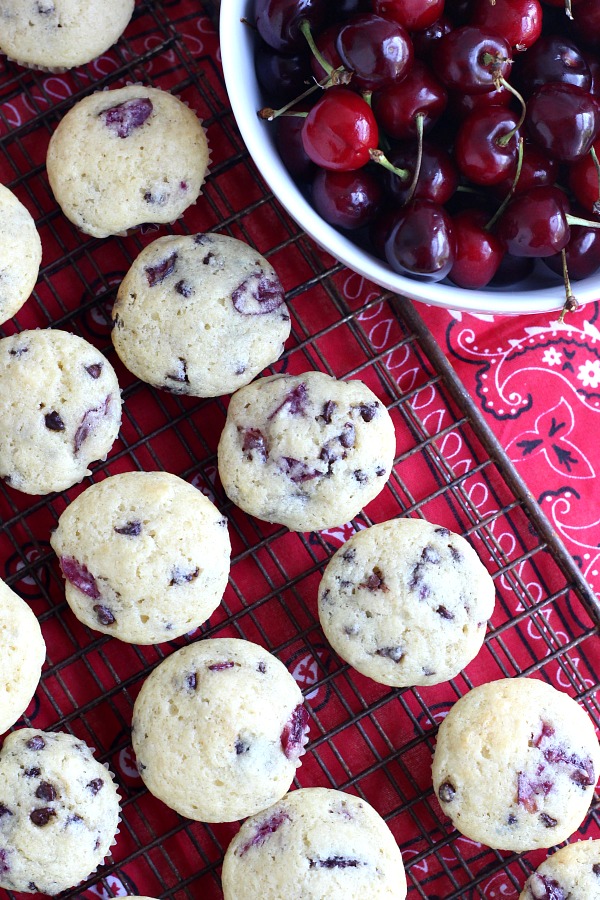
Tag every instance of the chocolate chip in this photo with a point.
(94, 370)
(104, 615)
(455, 554)
(32, 886)
(18, 351)
(512, 819)
(4, 811)
(45, 7)
(262, 667)
(547, 821)
(335, 862)
(368, 411)
(297, 471)
(361, 476)
(393, 653)
(325, 595)
(329, 408)
(131, 529)
(42, 815)
(192, 681)
(208, 258)
(349, 555)
(443, 532)
(348, 435)
(127, 116)
(53, 421)
(446, 792)
(73, 819)
(32, 773)
(596, 869)
(37, 742)
(379, 471)
(183, 576)
(296, 400)
(241, 747)
(430, 555)
(45, 791)
(202, 238)
(444, 613)
(95, 785)
(184, 288)
(4, 866)
(375, 581)
(258, 295)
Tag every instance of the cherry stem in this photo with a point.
(269, 114)
(570, 304)
(501, 81)
(413, 185)
(305, 29)
(569, 9)
(513, 188)
(594, 156)
(576, 220)
(379, 157)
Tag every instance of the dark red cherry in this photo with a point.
(582, 252)
(288, 139)
(346, 199)
(396, 107)
(518, 21)
(469, 59)
(326, 43)
(421, 241)
(563, 120)
(376, 50)
(587, 23)
(537, 168)
(535, 223)
(278, 21)
(478, 252)
(552, 58)
(339, 131)
(512, 270)
(584, 180)
(463, 105)
(414, 15)
(438, 175)
(425, 41)
(282, 77)
(487, 144)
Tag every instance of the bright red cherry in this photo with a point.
(340, 130)
(518, 21)
(486, 145)
(478, 251)
(535, 223)
(396, 107)
(414, 15)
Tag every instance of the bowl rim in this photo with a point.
(237, 56)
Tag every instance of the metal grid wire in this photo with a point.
(365, 738)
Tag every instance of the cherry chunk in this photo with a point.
(127, 116)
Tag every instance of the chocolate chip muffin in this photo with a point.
(20, 253)
(59, 811)
(22, 654)
(572, 873)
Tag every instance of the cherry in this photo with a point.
(471, 60)
(414, 15)
(281, 77)
(464, 104)
(288, 139)
(518, 21)
(340, 130)
(346, 199)
(278, 21)
(425, 41)
(535, 223)
(584, 180)
(397, 106)
(512, 270)
(563, 119)
(582, 254)
(552, 58)
(437, 179)
(326, 43)
(487, 144)
(421, 241)
(587, 22)
(376, 50)
(537, 168)
(478, 252)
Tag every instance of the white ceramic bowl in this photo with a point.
(540, 293)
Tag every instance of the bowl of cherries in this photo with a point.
(447, 150)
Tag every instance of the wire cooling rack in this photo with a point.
(365, 738)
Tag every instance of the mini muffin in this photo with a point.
(60, 406)
(61, 34)
(187, 298)
(306, 451)
(22, 654)
(406, 602)
(515, 764)
(123, 157)
(59, 811)
(145, 556)
(20, 253)
(218, 730)
(315, 843)
(572, 873)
